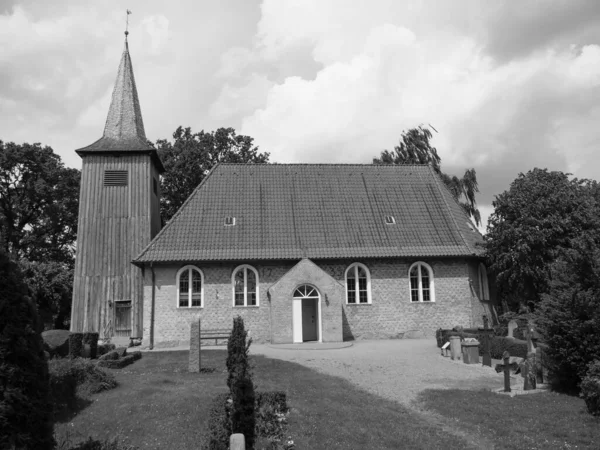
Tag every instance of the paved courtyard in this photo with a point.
(394, 369)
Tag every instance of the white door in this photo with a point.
(306, 317)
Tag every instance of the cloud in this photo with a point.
(386, 67)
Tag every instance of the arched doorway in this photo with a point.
(306, 314)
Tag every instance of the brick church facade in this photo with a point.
(303, 252)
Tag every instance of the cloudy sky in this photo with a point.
(508, 85)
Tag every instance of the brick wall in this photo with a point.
(391, 313)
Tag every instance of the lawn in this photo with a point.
(536, 421)
(159, 405)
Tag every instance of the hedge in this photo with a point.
(105, 348)
(219, 425)
(77, 377)
(590, 388)
(120, 362)
(91, 339)
(75, 345)
(500, 344)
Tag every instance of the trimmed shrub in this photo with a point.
(243, 419)
(275, 399)
(240, 384)
(112, 355)
(119, 363)
(91, 339)
(105, 348)
(25, 407)
(109, 444)
(219, 425)
(500, 344)
(590, 388)
(75, 345)
(77, 377)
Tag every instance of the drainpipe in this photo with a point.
(270, 316)
(152, 307)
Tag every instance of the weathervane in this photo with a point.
(127, 24)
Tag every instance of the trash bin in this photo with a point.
(455, 347)
(470, 350)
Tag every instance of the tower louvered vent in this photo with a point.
(115, 178)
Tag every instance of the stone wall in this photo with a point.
(390, 315)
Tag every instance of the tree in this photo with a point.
(25, 408)
(51, 286)
(192, 155)
(39, 199)
(533, 223)
(38, 203)
(568, 316)
(414, 148)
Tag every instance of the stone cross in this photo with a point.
(512, 326)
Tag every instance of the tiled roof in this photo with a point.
(124, 129)
(293, 211)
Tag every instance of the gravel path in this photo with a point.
(394, 369)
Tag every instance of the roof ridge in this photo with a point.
(438, 179)
(324, 164)
(170, 222)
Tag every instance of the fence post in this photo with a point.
(506, 359)
(487, 357)
(237, 442)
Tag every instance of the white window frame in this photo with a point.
(422, 265)
(355, 267)
(484, 287)
(245, 268)
(190, 268)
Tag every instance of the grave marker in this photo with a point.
(512, 326)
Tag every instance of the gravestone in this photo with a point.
(486, 333)
(528, 370)
(194, 359)
(512, 326)
(455, 347)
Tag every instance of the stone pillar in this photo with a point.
(194, 361)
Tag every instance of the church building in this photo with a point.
(303, 252)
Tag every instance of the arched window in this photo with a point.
(358, 284)
(484, 289)
(421, 283)
(190, 287)
(245, 286)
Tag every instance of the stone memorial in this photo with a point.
(194, 358)
(512, 326)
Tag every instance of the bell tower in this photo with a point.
(119, 214)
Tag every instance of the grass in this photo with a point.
(537, 421)
(158, 405)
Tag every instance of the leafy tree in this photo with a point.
(25, 408)
(531, 226)
(38, 203)
(38, 220)
(568, 316)
(51, 287)
(414, 148)
(191, 156)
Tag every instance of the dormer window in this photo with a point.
(390, 220)
(229, 221)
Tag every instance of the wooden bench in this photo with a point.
(217, 333)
